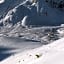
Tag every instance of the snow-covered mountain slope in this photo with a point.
(21, 31)
(38, 13)
(42, 34)
(12, 45)
(19, 39)
(48, 54)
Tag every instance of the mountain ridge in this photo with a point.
(38, 13)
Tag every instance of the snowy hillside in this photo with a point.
(31, 31)
(48, 54)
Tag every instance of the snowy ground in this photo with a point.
(47, 54)
(11, 45)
